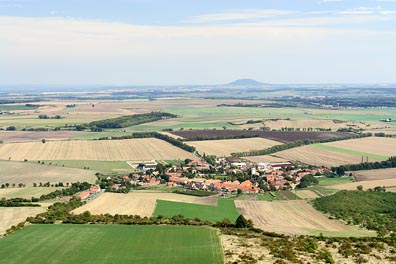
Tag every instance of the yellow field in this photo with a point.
(290, 217)
(27, 173)
(372, 175)
(310, 155)
(389, 184)
(228, 146)
(10, 216)
(106, 150)
(136, 203)
(375, 145)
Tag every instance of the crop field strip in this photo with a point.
(14, 215)
(110, 150)
(280, 136)
(111, 244)
(292, 217)
(141, 203)
(26, 193)
(228, 146)
(29, 173)
(373, 175)
(352, 152)
(224, 209)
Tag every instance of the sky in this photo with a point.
(175, 42)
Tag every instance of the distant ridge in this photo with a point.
(246, 82)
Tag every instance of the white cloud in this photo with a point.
(244, 14)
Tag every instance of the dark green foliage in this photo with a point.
(199, 193)
(73, 189)
(131, 120)
(390, 163)
(307, 181)
(18, 202)
(374, 210)
(241, 222)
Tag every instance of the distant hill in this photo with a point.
(246, 82)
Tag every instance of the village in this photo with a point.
(225, 177)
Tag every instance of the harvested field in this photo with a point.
(27, 173)
(315, 123)
(387, 183)
(14, 215)
(319, 156)
(27, 192)
(306, 194)
(281, 136)
(129, 149)
(25, 136)
(373, 175)
(140, 203)
(375, 145)
(291, 217)
(228, 146)
(265, 158)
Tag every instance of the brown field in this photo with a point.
(106, 150)
(314, 123)
(27, 173)
(289, 217)
(389, 184)
(25, 136)
(228, 146)
(375, 145)
(372, 175)
(14, 215)
(318, 156)
(136, 203)
(306, 194)
(281, 136)
(27, 192)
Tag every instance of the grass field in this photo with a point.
(292, 217)
(111, 244)
(27, 192)
(28, 173)
(93, 165)
(352, 152)
(334, 181)
(225, 209)
(137, 203)
(110, 150)
(228, 146)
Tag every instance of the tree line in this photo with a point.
(389, 163)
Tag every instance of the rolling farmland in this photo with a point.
(111, 244)
(27, 193)
(373, 175)
(293, 217)
(106, 150)
(228, 146)
(28, 173)
(140, 203)
(14, 215)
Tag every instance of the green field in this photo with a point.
(352, 152)
(110, 244)
(28, 192)
(225, 209)
(93, 165)
(334, 181)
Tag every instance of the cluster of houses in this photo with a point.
(93, 191)
(198, 175)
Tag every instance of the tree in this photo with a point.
(241, 222)
(359, 187)
(239, 191)
(43, 140)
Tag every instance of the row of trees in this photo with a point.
(390, 163)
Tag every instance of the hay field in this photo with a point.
(388, 183)
(25, 136)
(27, 192)
(28, 173)
(139, 203)
(372, 175)
(113, 150)
(290, 217)
(10, 216)
(320, 156)
(306, 194)
(228, 146)
(375, 145)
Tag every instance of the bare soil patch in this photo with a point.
(373, 175)
(289, 217)
(389, 184)
(25, 136)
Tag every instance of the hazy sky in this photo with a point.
(197, 41)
